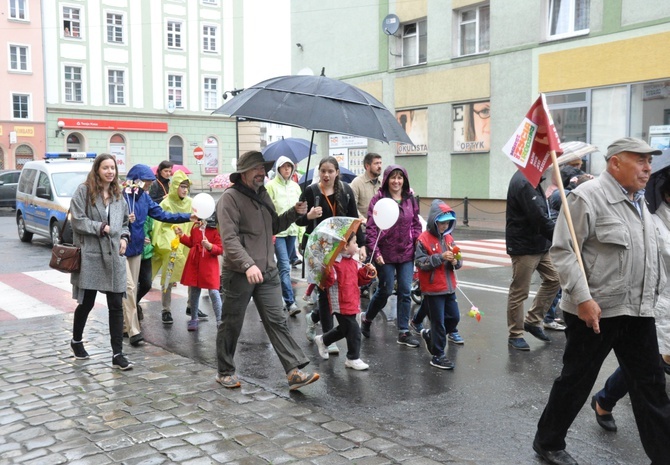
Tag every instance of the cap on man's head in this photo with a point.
(249, 160)
(630, 144)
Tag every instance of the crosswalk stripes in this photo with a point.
(487, 253)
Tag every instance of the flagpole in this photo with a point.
(566, 210)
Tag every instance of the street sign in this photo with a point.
(198, 153)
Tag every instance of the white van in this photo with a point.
(45, 190)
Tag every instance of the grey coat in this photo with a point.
(102, 267)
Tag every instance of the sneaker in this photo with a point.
(298, 379)
(365, 327)
(357, 364)
(167, 318)
(308, 298)
(518, 343)
(228, 381)
(443, 363)
(323, 351)
(201, 314)
(121, 362)
(79, 351)
(333, 349)
(296, 263)
(455, 338)
(425, 335)
(416, 327)
(408, 340)
(192, 325)
(136, 340)
(553, 325)
(310, 328)
(537, 332)
(292, 309)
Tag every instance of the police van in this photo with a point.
(45, 190)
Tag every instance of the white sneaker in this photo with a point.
(333, 349)
(323, 352)
(310, 327)
(357, 364)
(293, 309)
(554, 325)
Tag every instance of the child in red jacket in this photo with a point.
(202, 269)
(342, 281)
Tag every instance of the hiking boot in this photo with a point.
(167, 318)
(292, 309)
(323, 350)
(136, 340)
(455, 338)
(416, 327)
(120, 362)
(79, 351)
(357, 364)
(192, 325)
(442, 363)
(407, 339)
(310, 327)
(228, 381)
(365, 327)
(518, 343)
(425, 335)
(298, 379)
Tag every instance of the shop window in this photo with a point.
(650, 113)
(176, 150)
(74, 143)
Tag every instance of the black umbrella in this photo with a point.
(293, 147)
(660, 173)
(319, 104)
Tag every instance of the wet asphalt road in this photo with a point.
(484, 411)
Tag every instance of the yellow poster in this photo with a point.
(24, 131)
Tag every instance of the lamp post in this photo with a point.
(233, 93)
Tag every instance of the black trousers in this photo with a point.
(144, 280)
(323, 311)
(347, 329)
(633, 340)
(115, 308)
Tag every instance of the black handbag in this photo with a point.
(65, 257)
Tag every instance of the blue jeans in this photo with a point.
(444, 317)
(551, 313)
(284, 249)
(615, 389)
(387, 275)
(194, 302)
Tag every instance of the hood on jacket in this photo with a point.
(177, 178)
(141, 173)
(281, 161)
(406, 190)
(437, 209)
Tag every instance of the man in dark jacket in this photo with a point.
(528, 234)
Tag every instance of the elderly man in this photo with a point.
(247, 221)
(612, 306)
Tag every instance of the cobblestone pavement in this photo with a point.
(168, 409)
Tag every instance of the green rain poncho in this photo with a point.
(171, 261)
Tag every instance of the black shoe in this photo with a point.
(188, 311)
(202, 316)
(537, 332)
(554, 457)
(606, 421)
(408, 340)
(425, 334)
(120, 362)
(167, 318)
(125, 335)
(140, 314)
(136, 340)
(79, 351)
(365, 327)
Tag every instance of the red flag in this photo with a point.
(531, 143)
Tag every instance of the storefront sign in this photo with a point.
(108, 125)
(24, 131)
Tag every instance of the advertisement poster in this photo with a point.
(211, 159)
(119, 152)
(342, 140)
(341, 155)
(472, 127)
(349, 151)
(415, 124)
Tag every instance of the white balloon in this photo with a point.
(385, 213)
(203, 205)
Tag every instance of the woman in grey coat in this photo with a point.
(100, 225)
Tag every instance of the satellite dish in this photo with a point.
(390, 24)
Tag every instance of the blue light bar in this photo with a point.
(69, 155)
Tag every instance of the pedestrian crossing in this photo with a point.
(487, 253)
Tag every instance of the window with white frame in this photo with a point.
(567, 17)
(209, 38)
(71, 22)
(474, 27)
(114, 28)
(414, 43)
(18, 58)
(18, 9)
(116, 87)
(73, 84)
(20, 106)
(174, 34)
(174, 88)
(211, 93)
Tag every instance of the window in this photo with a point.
(73, 84)
(173, 34)
(174, 90)
(71, 22)
(18, 58)
(115, 85)
(473, 30)
(17, 9)
(209, 39)
(114, 28)
(414, 43)
(20, 106)
(211, 94)
(568, 17)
